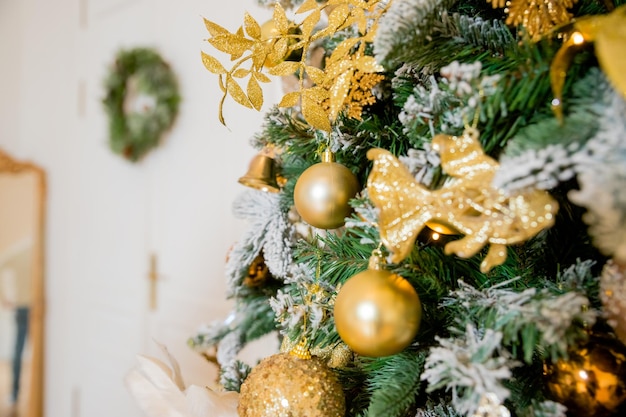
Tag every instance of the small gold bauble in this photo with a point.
(322, 194)
(283, 385)
(377, 313)
(592, 381)
(269, 30)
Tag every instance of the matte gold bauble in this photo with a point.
(269, 31)
(322, 193)
(284, 385)
(377, 313)
(592, 381)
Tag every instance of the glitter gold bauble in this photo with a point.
(377, 313)
(323, 191)
(284, 385)
(592, 381)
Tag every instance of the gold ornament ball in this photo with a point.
(322, 194)
(592, 381)
(269, 30)
(377, 313)
(283, 385)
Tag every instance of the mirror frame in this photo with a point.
(8, 165)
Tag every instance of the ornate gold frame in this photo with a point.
(36, 325)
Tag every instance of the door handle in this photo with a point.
(153, 277)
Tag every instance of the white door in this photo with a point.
(174, 205)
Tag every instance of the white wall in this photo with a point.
(104, 214)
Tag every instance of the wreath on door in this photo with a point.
(141, 101)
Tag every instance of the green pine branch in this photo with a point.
(394, 383)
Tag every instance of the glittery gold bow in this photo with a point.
(468, 203)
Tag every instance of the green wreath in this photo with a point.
(138, 74)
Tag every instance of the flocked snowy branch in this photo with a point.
(470, 367)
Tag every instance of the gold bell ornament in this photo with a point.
(261, 174)
(591, 382)
(377, 313)
(323, 192)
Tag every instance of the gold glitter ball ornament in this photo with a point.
(283, 385)
(592, 381)
(377, 313)
(323, 192)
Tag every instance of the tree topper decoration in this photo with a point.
(468, 203)
(345, 81)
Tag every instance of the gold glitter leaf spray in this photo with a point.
(344, 82)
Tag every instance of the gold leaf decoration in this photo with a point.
(285, 68)
(262, 78)
(255, 93)
(314, 113)
(236, 92)
(273, 53)
(240, 73)
(212, 64)
(315, 74)
(290, 99)
(308, 24)
(252, 26)
(280, 19)
(307, 6)
(537, 17)
(338, 92)
(214, 29)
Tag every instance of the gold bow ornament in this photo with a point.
(467, 203)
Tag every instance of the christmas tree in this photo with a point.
(440, 220)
